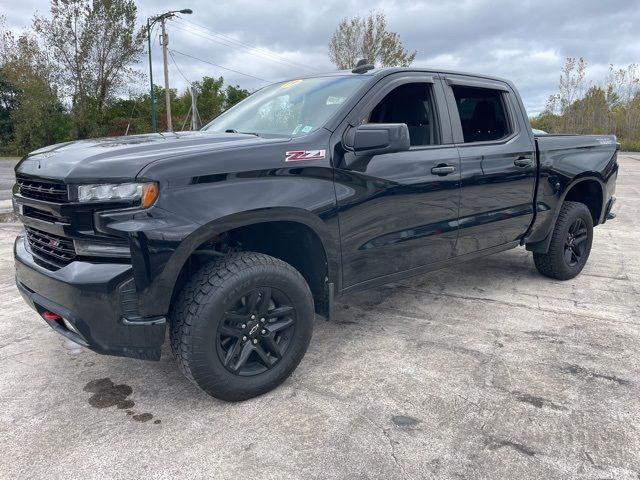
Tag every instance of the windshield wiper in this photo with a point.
(232, 130)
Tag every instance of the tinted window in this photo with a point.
(482, 113)
(411, 104)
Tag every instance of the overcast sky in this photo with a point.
(525, 41)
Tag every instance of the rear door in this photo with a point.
(497, 162)
(398, 213)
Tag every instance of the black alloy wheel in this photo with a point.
(570, 243)
(256, 331)
(241, 325)
(575, 242)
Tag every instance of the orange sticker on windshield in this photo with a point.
(290, 84)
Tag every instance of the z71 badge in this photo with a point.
(299, 155)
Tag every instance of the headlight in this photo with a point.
(101, 249)
(145, 192)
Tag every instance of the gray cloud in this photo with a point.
(523, 40)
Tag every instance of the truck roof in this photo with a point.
(384, 71)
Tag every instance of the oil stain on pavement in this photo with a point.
(107, 394)
(404, 421)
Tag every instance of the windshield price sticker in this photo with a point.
(290, 84)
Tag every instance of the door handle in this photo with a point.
(523, 162)
(442, 170)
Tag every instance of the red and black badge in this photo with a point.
(300, 155)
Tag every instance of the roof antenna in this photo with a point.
(363, 66)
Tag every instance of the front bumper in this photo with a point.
(93, 298)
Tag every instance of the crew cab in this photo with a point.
(234, 236)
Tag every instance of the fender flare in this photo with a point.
(165, 283)
(542, 246)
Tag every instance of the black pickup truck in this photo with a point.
(235, 235)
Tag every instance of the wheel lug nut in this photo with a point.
(263, 332)
(244, 339)
(255, 341)
(262, 320)
(244, 325)
(253, 317)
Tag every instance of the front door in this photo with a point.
(400, 211)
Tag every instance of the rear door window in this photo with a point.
(483, 113)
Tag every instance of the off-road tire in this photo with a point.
(200, 307)
(553, 263)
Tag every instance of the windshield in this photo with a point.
(290, 108)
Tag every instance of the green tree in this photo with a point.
(130, 116)
(32, 113)
(570, 89)
(368, 38)
(613, 107)
(624, 83)
(211, 97)
(234, 95)
(591, 112)
(546, 121)
(8, 104)
(94, 44)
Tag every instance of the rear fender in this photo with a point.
(542, 246)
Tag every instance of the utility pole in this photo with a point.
(194, 108)
(193, 111)
(164, 39)
(154, 124)
(167, 94)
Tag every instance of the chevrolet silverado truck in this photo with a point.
(233, 237)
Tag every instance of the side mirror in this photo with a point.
(371, 139)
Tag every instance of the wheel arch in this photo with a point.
(290, 234)
(576, 190)
(589, 190)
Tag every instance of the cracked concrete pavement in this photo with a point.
(483, 371)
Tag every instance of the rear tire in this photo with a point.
(570, 243)
(217, 335)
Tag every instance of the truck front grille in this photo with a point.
(43, 215)
(51, 247)
(42, 190)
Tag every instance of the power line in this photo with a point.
(193, 108)
(240, 45)
(155, 37)
(178, 68)
(220, 66)
(265, 52)
(211, 39)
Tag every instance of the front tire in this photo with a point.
(570, 243)
(241, 325)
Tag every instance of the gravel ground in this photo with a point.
(482, 371)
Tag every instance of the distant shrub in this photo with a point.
(630, 145)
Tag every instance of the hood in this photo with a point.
(122, 158)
